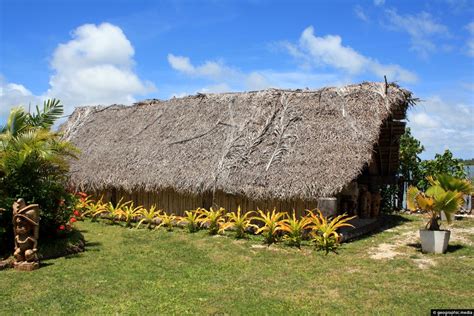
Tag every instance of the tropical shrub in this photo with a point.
(128, 212)
(295, 229)
(192, 219)
(5, 220)
(115, 211)
(95, 209)
(213, 219)
(149, 216)
(272, 224)
(34, 163)
(444, 194)
(84, 201)
(167, 221)
(324, 231)
(238, 222)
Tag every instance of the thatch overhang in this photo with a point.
(270, 144)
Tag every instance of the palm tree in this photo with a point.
(27, 137)
(445, 194)
(450, 183)
(34, 162)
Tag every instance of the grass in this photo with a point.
(61, 246)
(130, 271)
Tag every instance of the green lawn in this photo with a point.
(130, 271)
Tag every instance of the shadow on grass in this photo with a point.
(451, 248)
(415, 245)
(454, 248)
(392, 220)
(93, 244)
(44, 264)
(74, 255)
(70, 244)
(384, 222)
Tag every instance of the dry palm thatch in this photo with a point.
(263, 144)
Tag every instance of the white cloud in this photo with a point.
(12, 94)
(329, 51)
(226, 78)
(470, 41)
(422, 29)
(181, 63)
(360, 13)
(379, 2)
(215, 70)
(311, 51)
(441, 125)
(94, 67)
(424, 120)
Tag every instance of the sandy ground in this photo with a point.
(402, 245)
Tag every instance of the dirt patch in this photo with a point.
(424, 263)
(384, 251)
(258, 246)
(402, 245)
(389, 250)
(272, 247)
(461, 235)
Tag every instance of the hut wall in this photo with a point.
(171, 201)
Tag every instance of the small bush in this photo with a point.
(192, 219)
(149, 216)
(295, 229)
(272, 225)
(324, 233)
(213, 219)
(238, 222)
(168, 221)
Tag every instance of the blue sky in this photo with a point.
(102, 52)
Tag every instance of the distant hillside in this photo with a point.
(468, 162)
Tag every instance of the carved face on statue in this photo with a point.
(22, 227)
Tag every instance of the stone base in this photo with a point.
(26, 266)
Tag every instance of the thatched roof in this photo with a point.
(263, 144)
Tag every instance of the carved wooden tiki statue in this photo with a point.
(26, 230)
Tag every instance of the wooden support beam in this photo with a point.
(390, 148)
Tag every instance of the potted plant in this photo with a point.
(445, 194)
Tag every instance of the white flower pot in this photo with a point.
(434, 241)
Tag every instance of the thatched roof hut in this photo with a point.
(261, 145)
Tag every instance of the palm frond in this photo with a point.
(411, 198)
(16, 122)
(46, 117)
